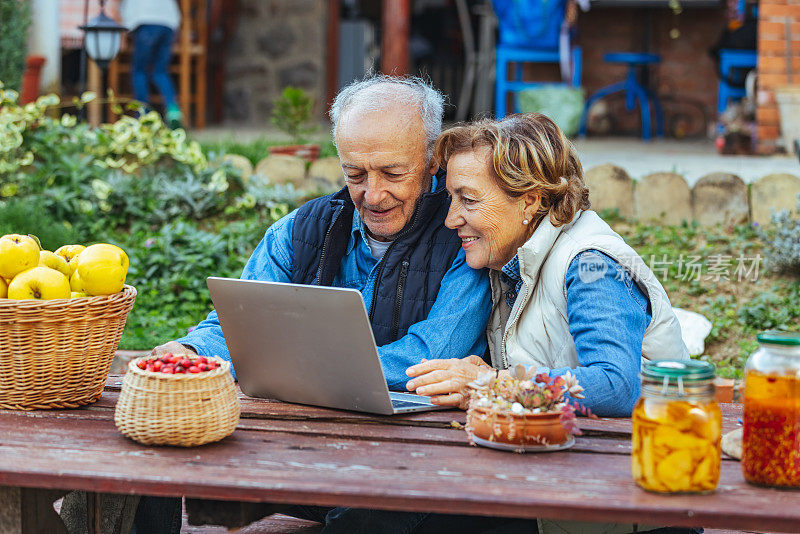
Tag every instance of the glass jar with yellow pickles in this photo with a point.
(771, 434)
(677, 428)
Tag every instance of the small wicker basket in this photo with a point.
(57, 353)
(190, 409)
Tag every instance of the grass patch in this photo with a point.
(720, 273)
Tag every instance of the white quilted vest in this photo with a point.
(537, 331)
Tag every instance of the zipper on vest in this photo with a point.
(511, 320)
(382, 263)
(325, 246)
(398, 298)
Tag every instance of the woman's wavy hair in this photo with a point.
(529, 154)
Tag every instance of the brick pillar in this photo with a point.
(772, 64)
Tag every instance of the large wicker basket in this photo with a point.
(57, 353)
(181, 409)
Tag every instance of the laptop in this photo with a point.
(307, 345)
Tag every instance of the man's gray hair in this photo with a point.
(384, 89)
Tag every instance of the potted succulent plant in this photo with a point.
(524, 411)
(291, 114)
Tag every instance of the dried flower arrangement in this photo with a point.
(524, 409)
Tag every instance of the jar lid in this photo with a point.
(775, 337)
(686, 370)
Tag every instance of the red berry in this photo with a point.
(180, 369)
(194, 369)
(157, 365)
(203, 367)
(141, 364)
(150, 367)
(186, 362)
(168, 355)
(168, 370)
(201, 359)
(165, 360)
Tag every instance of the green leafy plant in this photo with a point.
(15, 18)
(18, 216)
(291, 113)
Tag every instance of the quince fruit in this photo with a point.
(3, 288)
(17, 253)
(52, 260)
(77, 294)
(75, 282)
(70, 254)
(40, 283)
(102, 269)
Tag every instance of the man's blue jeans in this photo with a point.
(152, 52)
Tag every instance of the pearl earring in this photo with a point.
(525, 221)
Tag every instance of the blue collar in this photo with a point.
(357, 231)
(511, 276)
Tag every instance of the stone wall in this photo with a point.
(717, 198)
(276, 43)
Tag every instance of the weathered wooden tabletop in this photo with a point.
(285, 453)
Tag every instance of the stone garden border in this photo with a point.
(665, 197)
(717, 198)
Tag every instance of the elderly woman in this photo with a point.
(567, 292)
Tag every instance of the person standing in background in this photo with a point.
(153, 24)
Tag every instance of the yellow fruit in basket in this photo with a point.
(75, 283)
(70, 254)
(102, 269)
(17, 253)
(41, 283)
(3, 288)
(77, 294)
(52, 260)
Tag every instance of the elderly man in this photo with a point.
(383, 234)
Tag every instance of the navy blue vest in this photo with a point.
(410, 273)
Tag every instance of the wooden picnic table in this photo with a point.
(287, 453)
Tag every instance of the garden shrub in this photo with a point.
(142, 186)
(19, 216)
(782, 252)
(15, 18)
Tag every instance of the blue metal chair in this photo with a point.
(634, 92)
(518, 56)
(529, 33)
(730, 59)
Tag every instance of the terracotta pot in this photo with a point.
(307, 152)
(531, 429)
(30, 79)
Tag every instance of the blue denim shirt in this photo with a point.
(454, 328)
(607, 319)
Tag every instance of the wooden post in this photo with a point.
(394, 45)
(94, 109)
(332, 60)
(184, 60)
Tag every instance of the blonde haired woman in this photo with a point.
(568, 293)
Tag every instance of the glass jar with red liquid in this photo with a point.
(771, 435)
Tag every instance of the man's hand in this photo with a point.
(445, 381)
(171, 346)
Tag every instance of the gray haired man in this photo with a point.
(384, 235)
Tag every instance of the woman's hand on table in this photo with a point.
(445, 381)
